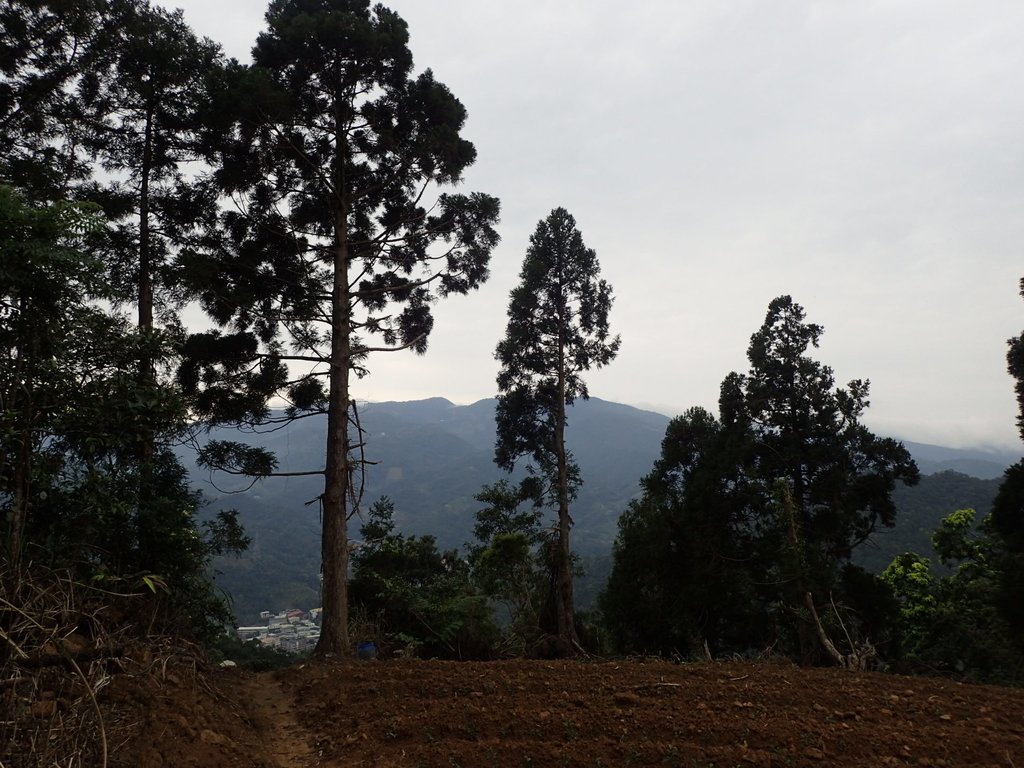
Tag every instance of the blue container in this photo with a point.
(366, 651)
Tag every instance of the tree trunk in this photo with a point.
(24, 371)
(564, 601)
(147, 368)
(806, 636)
(22, 487)
(338, 471)
(145, 250)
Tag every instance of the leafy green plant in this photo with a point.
(419, 595)
(949, 619)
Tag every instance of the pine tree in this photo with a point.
(508, 558)
(557, 329)
(1015, 367)
(52, 58)
(149, 135)
(152, 131)
(337, 237)
(677, 585)
(825, 480)
(781, 489)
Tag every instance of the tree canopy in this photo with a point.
(90, 416)
(949, 618)
(745, 516)
(557, 329)
(409, 593)
(336, 158)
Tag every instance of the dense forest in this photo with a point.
(310, 204)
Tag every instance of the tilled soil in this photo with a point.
(533, 713)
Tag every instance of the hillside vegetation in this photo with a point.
(434, 456)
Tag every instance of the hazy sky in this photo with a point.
(865, 157)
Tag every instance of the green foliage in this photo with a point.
(912, 582)
(93, 516)
(679, 578)
(51, 57)
(237, 458)
(88, 477)
(1008, 530)
(342, 238)
(310, 154)
(954, 540)
(508, 562)
(75, 414)
(743, 516)
(948, 621)
(557, 329)
(504, 513)
(49, 328)
(152, 112)
(1008, 510)
(224, 383)
(418, 593)
(1015, 367)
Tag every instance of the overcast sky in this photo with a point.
(865, 157)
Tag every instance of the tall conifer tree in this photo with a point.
(783, 486)
(153, 111)
(1008, 507)
(557, 329)
(825, 479)
(336, 237)
(85, 459)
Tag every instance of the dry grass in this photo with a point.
(62, 644)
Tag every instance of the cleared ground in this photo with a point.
(533, 713)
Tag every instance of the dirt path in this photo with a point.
(286, 743)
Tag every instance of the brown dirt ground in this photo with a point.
(533, 713)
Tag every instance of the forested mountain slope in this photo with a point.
(433, 456)
(920, 510)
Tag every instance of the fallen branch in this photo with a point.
(860, 655)
(581, 651)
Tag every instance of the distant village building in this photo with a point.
(291, 630)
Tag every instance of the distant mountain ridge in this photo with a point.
(976, 462)
(433, 456)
